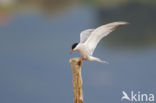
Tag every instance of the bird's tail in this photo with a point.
(97, 60)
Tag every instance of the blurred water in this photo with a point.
(34, 57)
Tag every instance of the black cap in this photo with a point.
(74, 45)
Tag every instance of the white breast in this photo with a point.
(83, 51)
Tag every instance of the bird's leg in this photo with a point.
(83, 59)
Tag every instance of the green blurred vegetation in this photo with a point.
(140, 13)
(50, 6)
(110, 3)
(58, 5)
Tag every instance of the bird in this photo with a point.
(125, 96)
(89, 39)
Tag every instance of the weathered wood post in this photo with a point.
(76, 64)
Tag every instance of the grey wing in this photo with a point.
(99, 33)
(85, 34)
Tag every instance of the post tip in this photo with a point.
(76, 61)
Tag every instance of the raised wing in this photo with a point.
(99, 33)
(85, 34)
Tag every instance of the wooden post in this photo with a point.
(76, 64)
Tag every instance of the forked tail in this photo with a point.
(97, 60)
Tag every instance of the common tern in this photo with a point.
(91, 37)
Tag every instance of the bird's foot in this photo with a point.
(83, 59)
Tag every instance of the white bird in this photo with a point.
(125, 96)
(91, 37)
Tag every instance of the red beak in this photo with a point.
(71, 51)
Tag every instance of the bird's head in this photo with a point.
(73, 47)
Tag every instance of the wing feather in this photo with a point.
(85, 34)
(99, 33)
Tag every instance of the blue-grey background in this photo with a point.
(36, 38)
